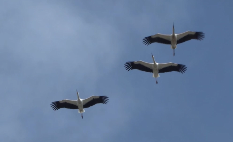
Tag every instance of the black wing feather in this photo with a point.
(57, 105)
(179, 68)
(132, 65)
(197, 35)
(101, 99)
(148, 40)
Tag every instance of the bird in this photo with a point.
(173, 39)
(79, 104)
(155, 67)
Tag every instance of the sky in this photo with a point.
(50, 48)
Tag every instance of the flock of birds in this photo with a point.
(154, 68)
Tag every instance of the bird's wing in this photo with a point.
(169, 67)
(70, 104)
(160, 38)
(189, 35)
(94, 100)
(140, 65)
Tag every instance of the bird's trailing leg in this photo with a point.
(156, 81)
(82, 115)
(173, 52)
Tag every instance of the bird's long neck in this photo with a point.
(78, 97)
(154, 61)
(173, 30)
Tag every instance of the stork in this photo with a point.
(154, 67)
(79, 104)
(173, 39)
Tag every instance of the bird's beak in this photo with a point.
(173, 29)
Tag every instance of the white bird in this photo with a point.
(79, 103)
(173, 39)
(155, 68)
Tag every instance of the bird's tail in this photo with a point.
(82, 111)
(155, 75)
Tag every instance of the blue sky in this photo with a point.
(48, 49)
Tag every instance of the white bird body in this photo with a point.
(155, 72)
(155, 68)
(80, 104)
(173, 39)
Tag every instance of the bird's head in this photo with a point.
(152, 55)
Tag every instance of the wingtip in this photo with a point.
(183, 68)
(146, 40)
(200, 35)
(54, 107)
(128, 66)
(105, 99)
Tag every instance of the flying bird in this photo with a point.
(79, 104)
(173, 39)
(155, 68)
